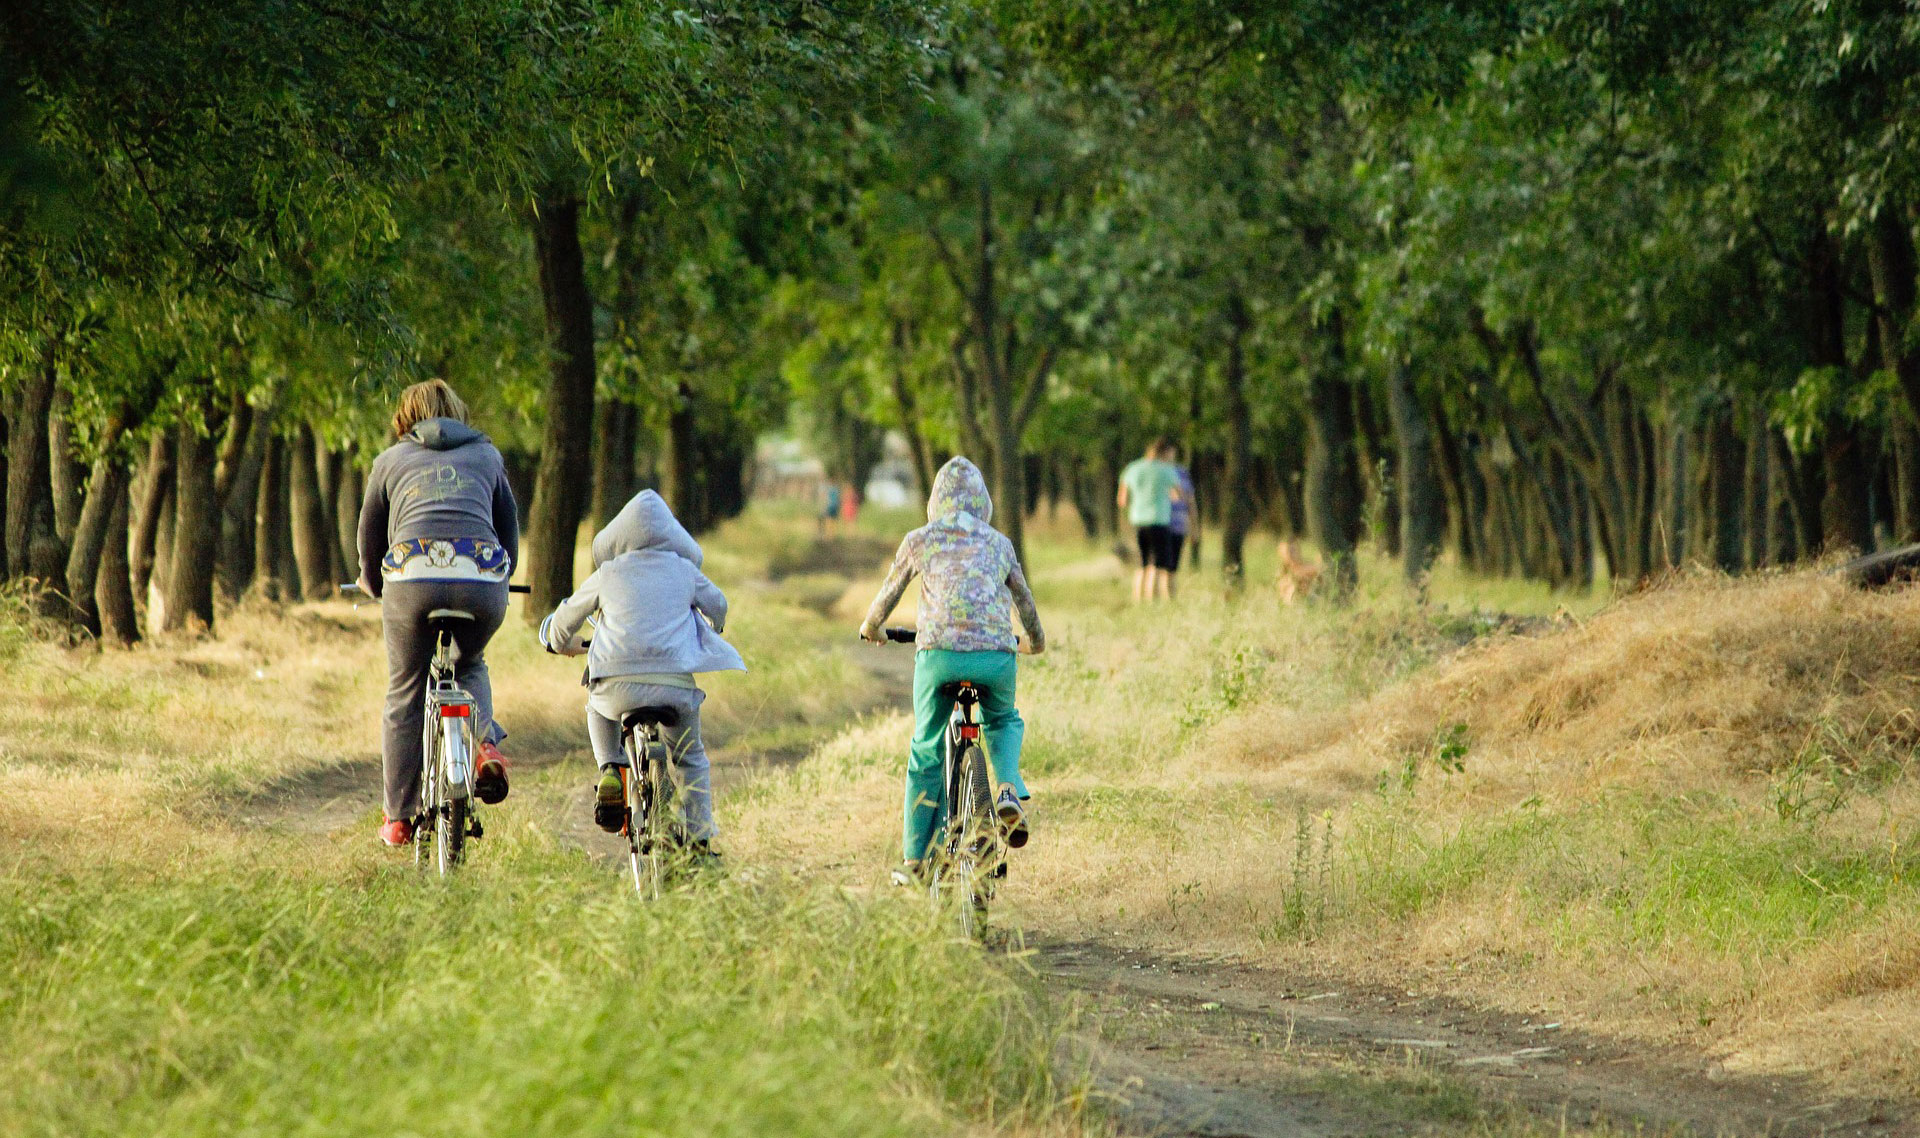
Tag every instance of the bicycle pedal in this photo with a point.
(999, 871)
(475, 829)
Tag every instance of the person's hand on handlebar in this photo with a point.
(870, 632)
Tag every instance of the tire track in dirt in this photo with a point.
(1218, 1048)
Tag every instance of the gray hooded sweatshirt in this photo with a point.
(646, 596)
(442, 480)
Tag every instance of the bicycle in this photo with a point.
(648, 792)
(447, 748)
(971, 856)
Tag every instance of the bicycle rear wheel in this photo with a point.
(450, 835)
(451, 804)
(972, 843)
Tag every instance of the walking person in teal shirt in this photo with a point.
(1149, 486)
(970, 584)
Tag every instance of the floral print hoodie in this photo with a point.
(971, 578)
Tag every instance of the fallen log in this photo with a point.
(1879, 570)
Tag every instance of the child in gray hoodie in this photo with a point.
(657, 621)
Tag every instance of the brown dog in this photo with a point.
(1295, 578)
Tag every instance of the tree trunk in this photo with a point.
(189, 603)
(350, 486)
(270, 528)
(565, 476)
(1010, 483)
(92, 529)
(1333, 471)
(309, 517)
(1379, 487)
(156, 482)
(924, 467)
(1239, 501)
(63, 474)
(327, 467)
(6, 410)
(1848, 522)
(30, 512)
(164, 534)
(239, 493)
(1905, 439)
(1726, 490)
(1844, 510)
(615, 439)
(1423, 520)
(113, 583)
(679, 475)
(1758, 490)
(1892, 265)
(1460, 507)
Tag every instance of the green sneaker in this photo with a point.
(610, 801)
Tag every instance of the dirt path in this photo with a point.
(1216, 1048)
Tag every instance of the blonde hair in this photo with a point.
(432, 399)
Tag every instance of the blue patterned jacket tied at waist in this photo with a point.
(446, 559)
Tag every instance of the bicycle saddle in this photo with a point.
(955, 688)
(449, 614)
(650, 717)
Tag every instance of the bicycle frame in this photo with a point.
(448, 749)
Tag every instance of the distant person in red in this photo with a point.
(849, 507)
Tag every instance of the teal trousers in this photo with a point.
(1004, 731)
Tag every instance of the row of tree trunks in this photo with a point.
(183, 526)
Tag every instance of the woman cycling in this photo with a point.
(438, 529)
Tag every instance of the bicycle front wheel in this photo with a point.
(972, 842)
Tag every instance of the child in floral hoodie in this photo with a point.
(970, 583)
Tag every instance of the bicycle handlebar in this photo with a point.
(354, 587)
(909, 636)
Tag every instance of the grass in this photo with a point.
(527, 997)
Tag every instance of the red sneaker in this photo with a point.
(490, 781)
(396, 831)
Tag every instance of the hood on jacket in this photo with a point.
(959, 488)
(443, 434)
(644, 523)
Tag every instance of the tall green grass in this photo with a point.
(530, 996)
(1639, 869)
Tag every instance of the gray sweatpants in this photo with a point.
(692, 775)
(404, 606)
